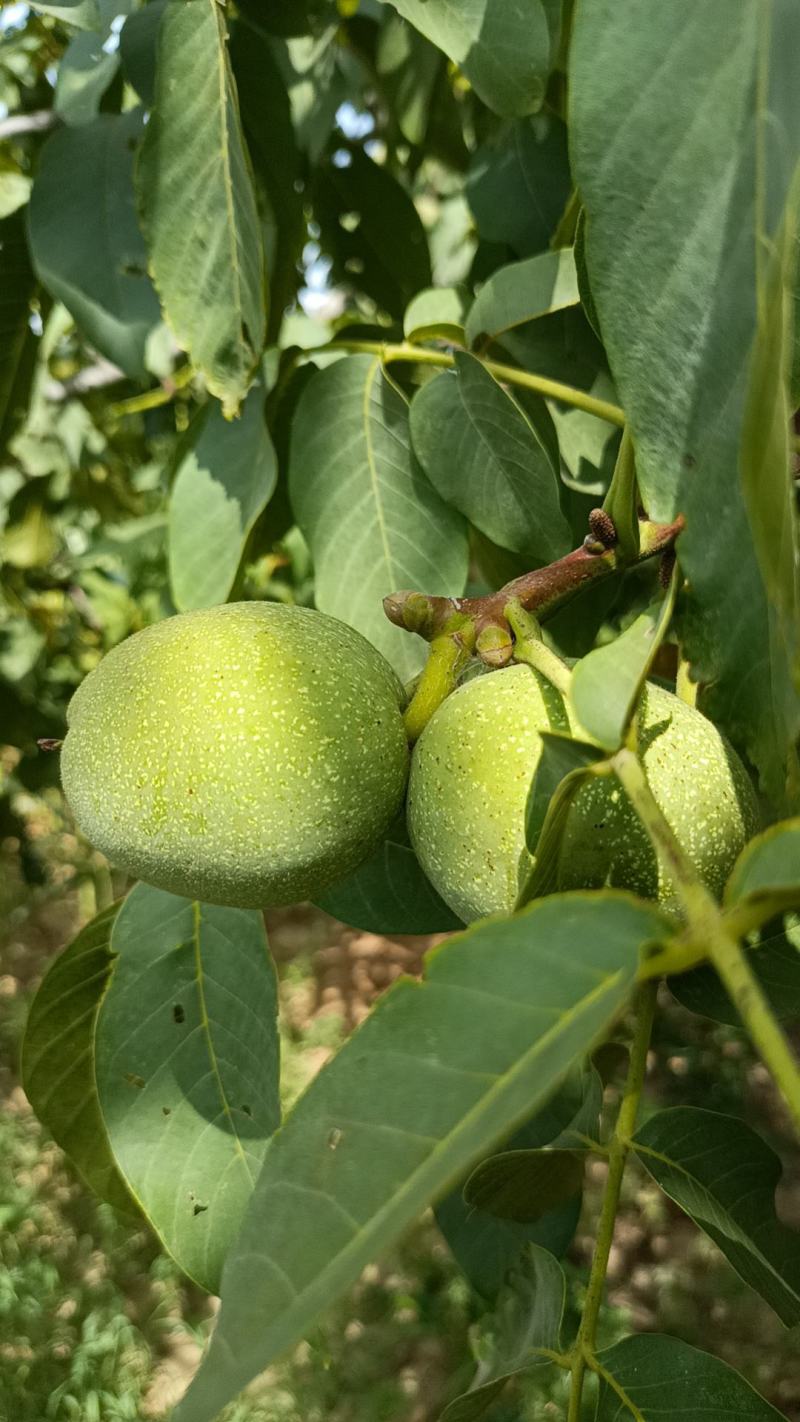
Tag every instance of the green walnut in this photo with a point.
(473, 765)
(251, 754)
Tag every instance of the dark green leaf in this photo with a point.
(564, 767)
(483, 452)
(767, 872)
(138, 44)
(389, 893)
(523, 1185)
(372, 230)
(776, 964)
(83, 14)
(724, 1176)
(662, 1379)
(503, 46)
(521, 292)
(526, 1320)
(267, 120)
(519, 182)
(486, 1247)
(438, 312)
(676, 287)
(462, 1058)
(187, 1068)
(374, 523)
(198, 205)
(97, 269)
(17, 288)
(606, 686)
(58, 1057)
(221, 487)
(408, 67)
(84, 73)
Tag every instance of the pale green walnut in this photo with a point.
(473, 765)
(251, 754)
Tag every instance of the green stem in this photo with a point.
(529, 647)
(152, 399)
(583, 1351)
(423, 355)
(447, 658)
(709, 929)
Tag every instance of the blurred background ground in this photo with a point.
(97, 1325)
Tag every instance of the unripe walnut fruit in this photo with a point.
(251, 754)
(473, 766)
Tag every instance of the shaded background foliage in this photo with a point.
(392, 180)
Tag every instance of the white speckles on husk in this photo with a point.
(473, 766)
(250, 754)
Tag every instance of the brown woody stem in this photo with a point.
(541, 591)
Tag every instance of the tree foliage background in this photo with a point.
(313, 302)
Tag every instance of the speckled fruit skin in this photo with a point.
(473, 765)
(249, 755)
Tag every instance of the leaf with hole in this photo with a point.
(463, 1058)
(187, 1063)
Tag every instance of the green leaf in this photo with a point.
(17, 288)
(483, 452)
(187, 1066)
(371, 229)
(58, 1057)
(775, 963)
(138, 45)
(663, 1379)
(267, 119)
(373, 522)
(767, 872)
(523, 1185)
(84, 73)
(198, 205)
(564, 767)
(684, 142)
(389, 893)
(463, 1057)
(408, 67)
(724, 1176)
(519, 182)
(502, 46)
(97, 269)
(523, 292)
(83, 14)
(485, 1246)
(221, 487)
(526, 1319)
(437, 313)
(607, 684)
